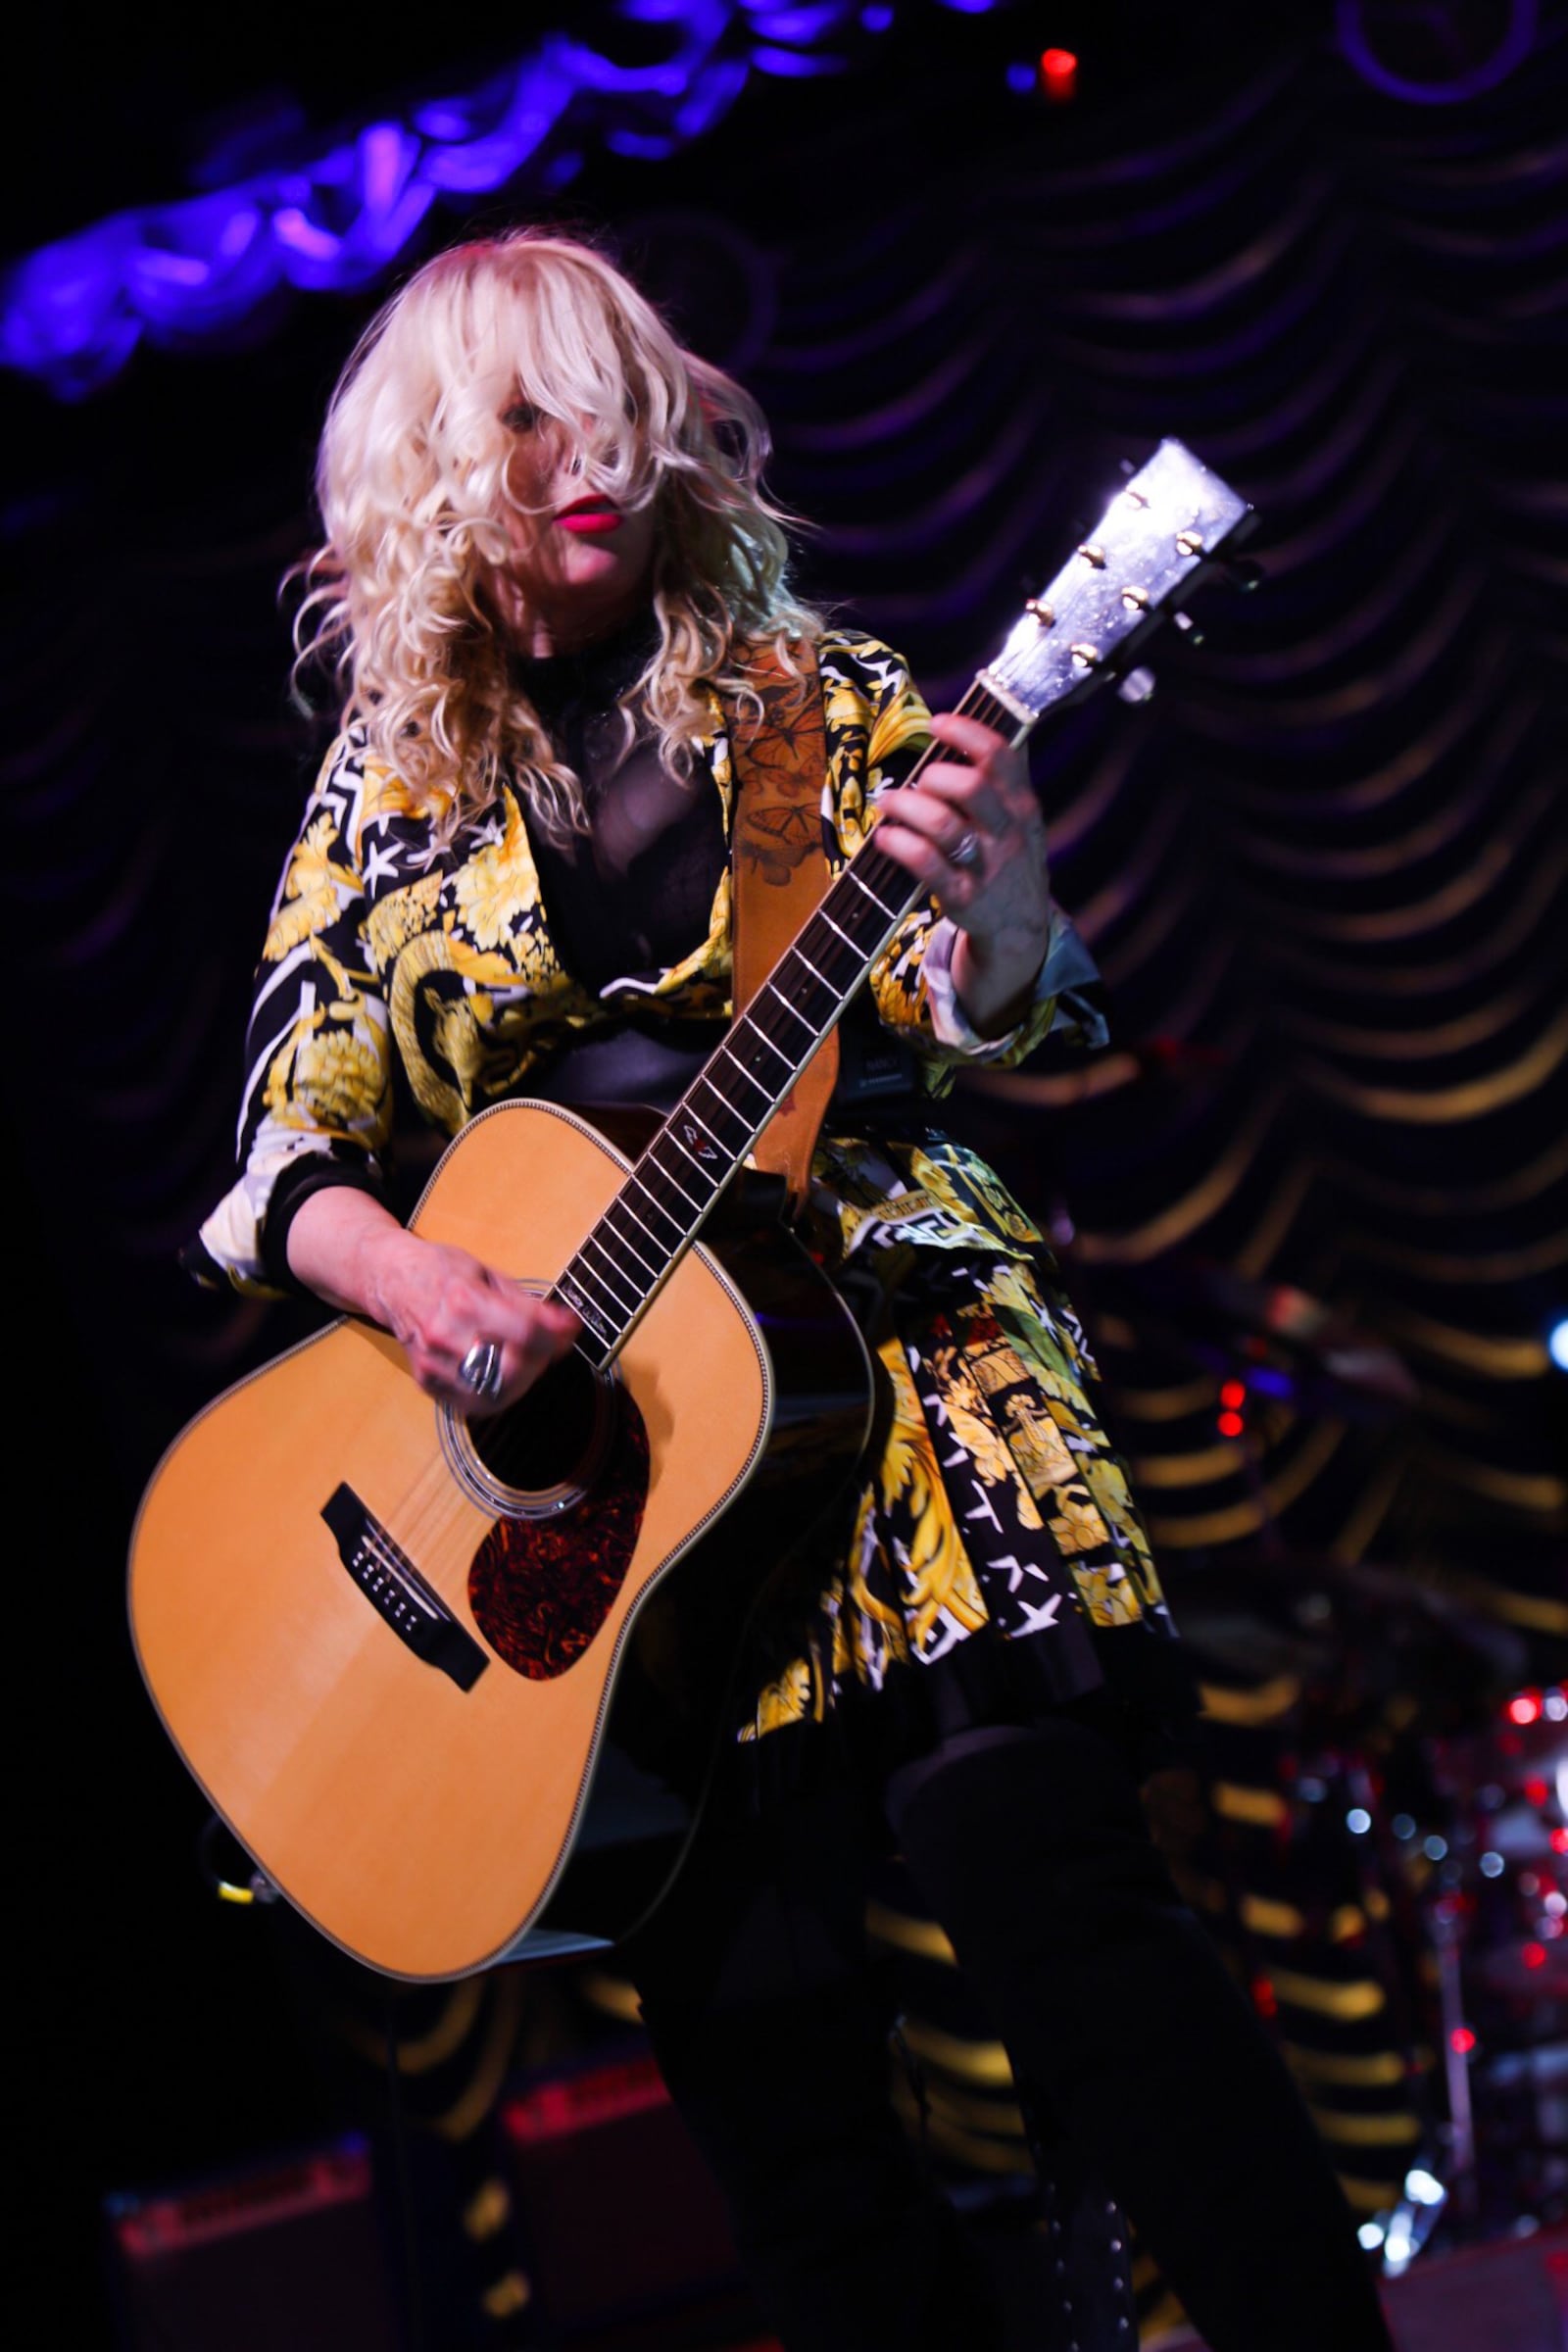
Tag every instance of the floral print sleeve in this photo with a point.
(876, 727)
(319, 1078)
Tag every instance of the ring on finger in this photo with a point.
(480, 1370)
(965, 853)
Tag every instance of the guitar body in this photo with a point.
(401, 1653)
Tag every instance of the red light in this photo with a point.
(1559, 1841)
(1059, 74)
(1534, 1955)
(1461, 2040)
(1263, 1997)
(1233, 1396)
(1537, 1792)
(1525, 1707)
(1230, 1425)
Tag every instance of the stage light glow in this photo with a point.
(1359, 1820)
(1423, 2187)
(1233, 1394)
(1461, 2041)
(1231, 1424)
(1525, 1707)
(1370, 2235)
(1557, 1342)
(1059, 74)
(1534, 1955)
(1491, 1866)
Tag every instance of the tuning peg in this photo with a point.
(1137, 686)
(1191, 632)
(1243, 573)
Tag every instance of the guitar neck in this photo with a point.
(661, 1208)
(1159, 532)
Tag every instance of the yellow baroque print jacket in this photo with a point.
(386, 947)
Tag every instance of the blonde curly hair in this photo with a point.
(412, 482)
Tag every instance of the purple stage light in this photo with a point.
(73, 312)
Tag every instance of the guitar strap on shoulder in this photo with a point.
(780, 875)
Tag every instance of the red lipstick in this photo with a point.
(590, 516)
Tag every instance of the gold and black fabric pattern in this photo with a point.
(388, 946)
(994, 1509)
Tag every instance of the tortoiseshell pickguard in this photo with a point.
(541, 1589)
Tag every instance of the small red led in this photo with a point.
(1559, 1841)
(1534, 1955)
(1059, 74)
(1233, 1396)
(1231, 1424)
(1537, 1792)
(1462, 2040)
(1264, 1999)
(1524, 1707)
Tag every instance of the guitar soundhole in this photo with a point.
(542, 1453)
(550, 1439)
(541, 1587)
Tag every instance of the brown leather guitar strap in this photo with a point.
(780, 876)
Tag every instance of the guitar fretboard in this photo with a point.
(660, 1208)
(1167, 522)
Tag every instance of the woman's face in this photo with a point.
(578, 565)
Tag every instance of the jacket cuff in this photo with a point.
(1066, 967)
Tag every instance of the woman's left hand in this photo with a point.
(974, 834)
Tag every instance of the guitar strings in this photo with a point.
(433, 1509)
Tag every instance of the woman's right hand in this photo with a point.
(439, 1302)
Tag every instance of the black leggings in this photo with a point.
(1118, 2014)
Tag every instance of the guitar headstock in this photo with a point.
(1169, 521)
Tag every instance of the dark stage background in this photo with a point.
(1322, 870)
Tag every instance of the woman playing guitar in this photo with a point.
(553, 586)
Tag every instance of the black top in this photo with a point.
(635, 894)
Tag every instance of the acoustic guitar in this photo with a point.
(442, 1674)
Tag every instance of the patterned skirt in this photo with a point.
(998, 1566)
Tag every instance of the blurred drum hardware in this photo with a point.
(1497, 1898)
(1280, 1340)
(1413, 1732)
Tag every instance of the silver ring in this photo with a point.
(480, 1370)
(965, 853)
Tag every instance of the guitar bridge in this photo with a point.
(399, 1593)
